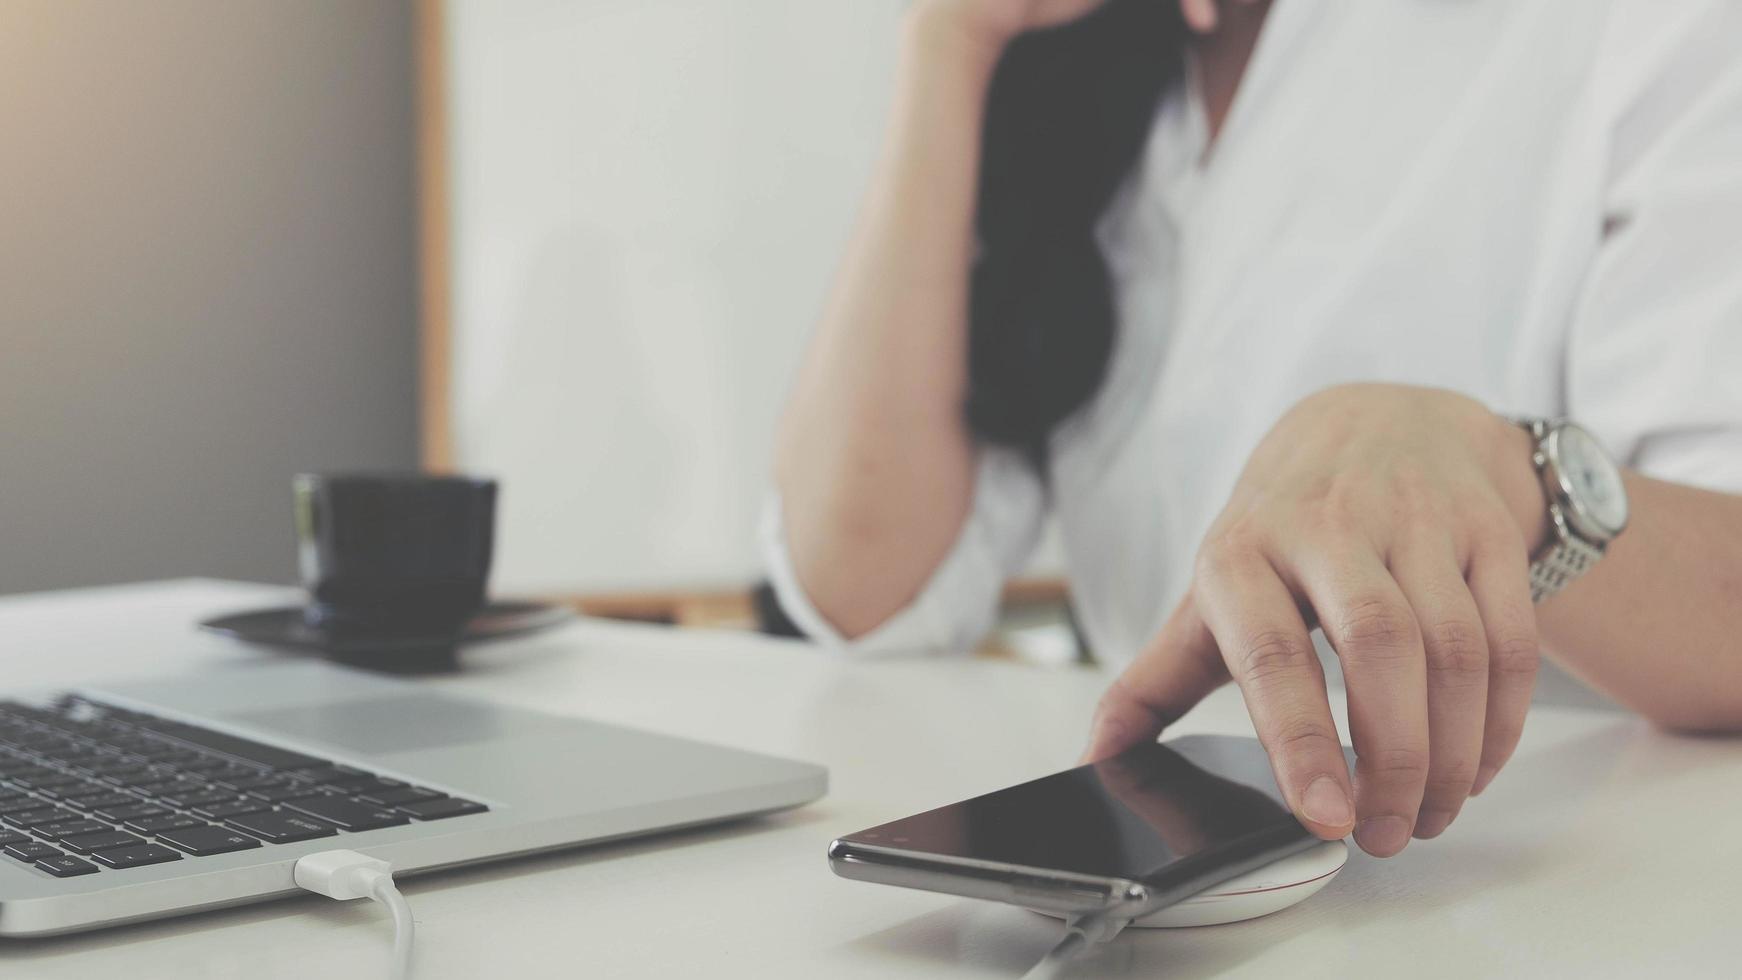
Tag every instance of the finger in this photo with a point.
(1171, 675)
(1432, 580)
(1500, 584)
(1373, 630)
(1200, 15)
(1265, 644)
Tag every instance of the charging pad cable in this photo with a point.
(1081, 933)
(345, 875)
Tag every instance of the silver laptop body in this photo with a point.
(548, 782)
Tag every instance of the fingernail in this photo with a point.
(1382, 836)
(1325, 802)
(1484, 776)
(1433, 824)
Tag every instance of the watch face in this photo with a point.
(1592, 482)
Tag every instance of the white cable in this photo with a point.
(347, 875)
(404, 930)
(1081, 933)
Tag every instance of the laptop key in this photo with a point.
(363, 784)
(32, 851)
(97, 763)
(21, 776)
(169, 786)
(329, 774)
(443, 808)
(8, 837)
(281, 827)
(49, 780)
(22, 804)
(69, 828)
(279, 794)
(130, 811)
(121, 773)
(136, 856)
(348, 814)
(220, 811)
(207, 839)
(150, 780)
(66, 866)
(248, 780)
(47, 814)
(100, 800)
(86, 843)
(198, 797)
(212, 767)
(168, 821)
(80, 788)
(174, 757)
(399, 796)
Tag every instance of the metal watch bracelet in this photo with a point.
(1566, 556)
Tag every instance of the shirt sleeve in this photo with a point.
(1655, 349)
(958, 604)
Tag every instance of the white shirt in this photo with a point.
(1537, 203)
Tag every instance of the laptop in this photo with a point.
(132, 801)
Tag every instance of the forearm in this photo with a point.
(1657, 624)
(874, 460)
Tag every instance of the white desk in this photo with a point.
(1603, 850)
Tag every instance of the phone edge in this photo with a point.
(1045, 889)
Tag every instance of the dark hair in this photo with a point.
(1067, 117)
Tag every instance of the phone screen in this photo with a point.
(1167, 814)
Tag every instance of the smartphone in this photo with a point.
(1124, 837)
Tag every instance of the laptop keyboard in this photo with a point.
(86, 786)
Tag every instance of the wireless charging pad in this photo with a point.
(1271, 888)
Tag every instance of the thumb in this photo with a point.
(1173, 673)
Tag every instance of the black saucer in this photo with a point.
(284, 626)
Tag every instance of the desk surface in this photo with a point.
(1605, 849)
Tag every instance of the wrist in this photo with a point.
(1519, 483)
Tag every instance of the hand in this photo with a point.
(995, 22)
(1399, 520)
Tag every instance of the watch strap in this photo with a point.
(1555, 568)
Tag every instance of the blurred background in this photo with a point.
(574, 244)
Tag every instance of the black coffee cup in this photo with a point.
(394, 554)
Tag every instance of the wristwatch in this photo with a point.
(1587, 503)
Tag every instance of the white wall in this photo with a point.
(649, 198)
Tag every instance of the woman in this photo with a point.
(1260, 373)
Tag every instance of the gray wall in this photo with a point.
(207, 276)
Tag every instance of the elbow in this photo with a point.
(835, 580)
(838, 551)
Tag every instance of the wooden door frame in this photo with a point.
(434, 241)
